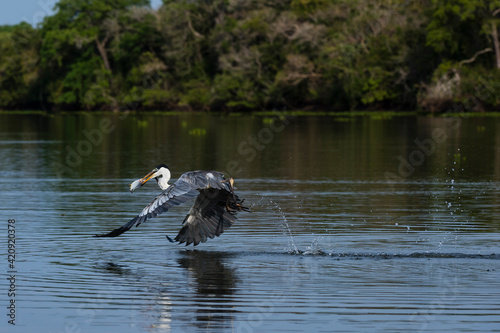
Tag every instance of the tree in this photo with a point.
(259, 54)
(78, 47)
(19, 66)
(462, 30)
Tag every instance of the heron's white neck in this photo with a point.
(162, 177)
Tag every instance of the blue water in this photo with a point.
(329, 246)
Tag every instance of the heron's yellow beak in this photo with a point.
(147, 177)
(139, 182)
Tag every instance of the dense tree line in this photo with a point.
(255, 54)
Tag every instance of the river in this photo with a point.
(368, 223)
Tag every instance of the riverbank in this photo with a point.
(297, 113)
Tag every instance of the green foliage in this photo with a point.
(463, 33)
(19, 66)
(248, 55)
(456, 25)
(478, 89)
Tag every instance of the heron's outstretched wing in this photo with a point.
(184, 189)
(213, 211)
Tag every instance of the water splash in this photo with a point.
(314, 248)
(285, 228)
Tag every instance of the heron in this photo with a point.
(214, 209)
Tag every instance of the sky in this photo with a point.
(32, 11)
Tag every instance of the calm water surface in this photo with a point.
(355, 225)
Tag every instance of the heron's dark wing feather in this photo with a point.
(184, 189)
(120, 230)
(213, 211)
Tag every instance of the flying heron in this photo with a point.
(214, 209)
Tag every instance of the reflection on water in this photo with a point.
(205, 290)
(330, 245)
(215, 284)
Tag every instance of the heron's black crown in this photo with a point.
(162, 166)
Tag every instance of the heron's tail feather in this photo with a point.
(199, 229)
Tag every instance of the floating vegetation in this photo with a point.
(343, 119)
(29, 112)
(382, 116)
(267, 120)
(470, 114)
(197, 131)
(458, 158)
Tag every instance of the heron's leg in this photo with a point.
(241, 207)
(238, 204)
(228, 206)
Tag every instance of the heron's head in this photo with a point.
(161, 173)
